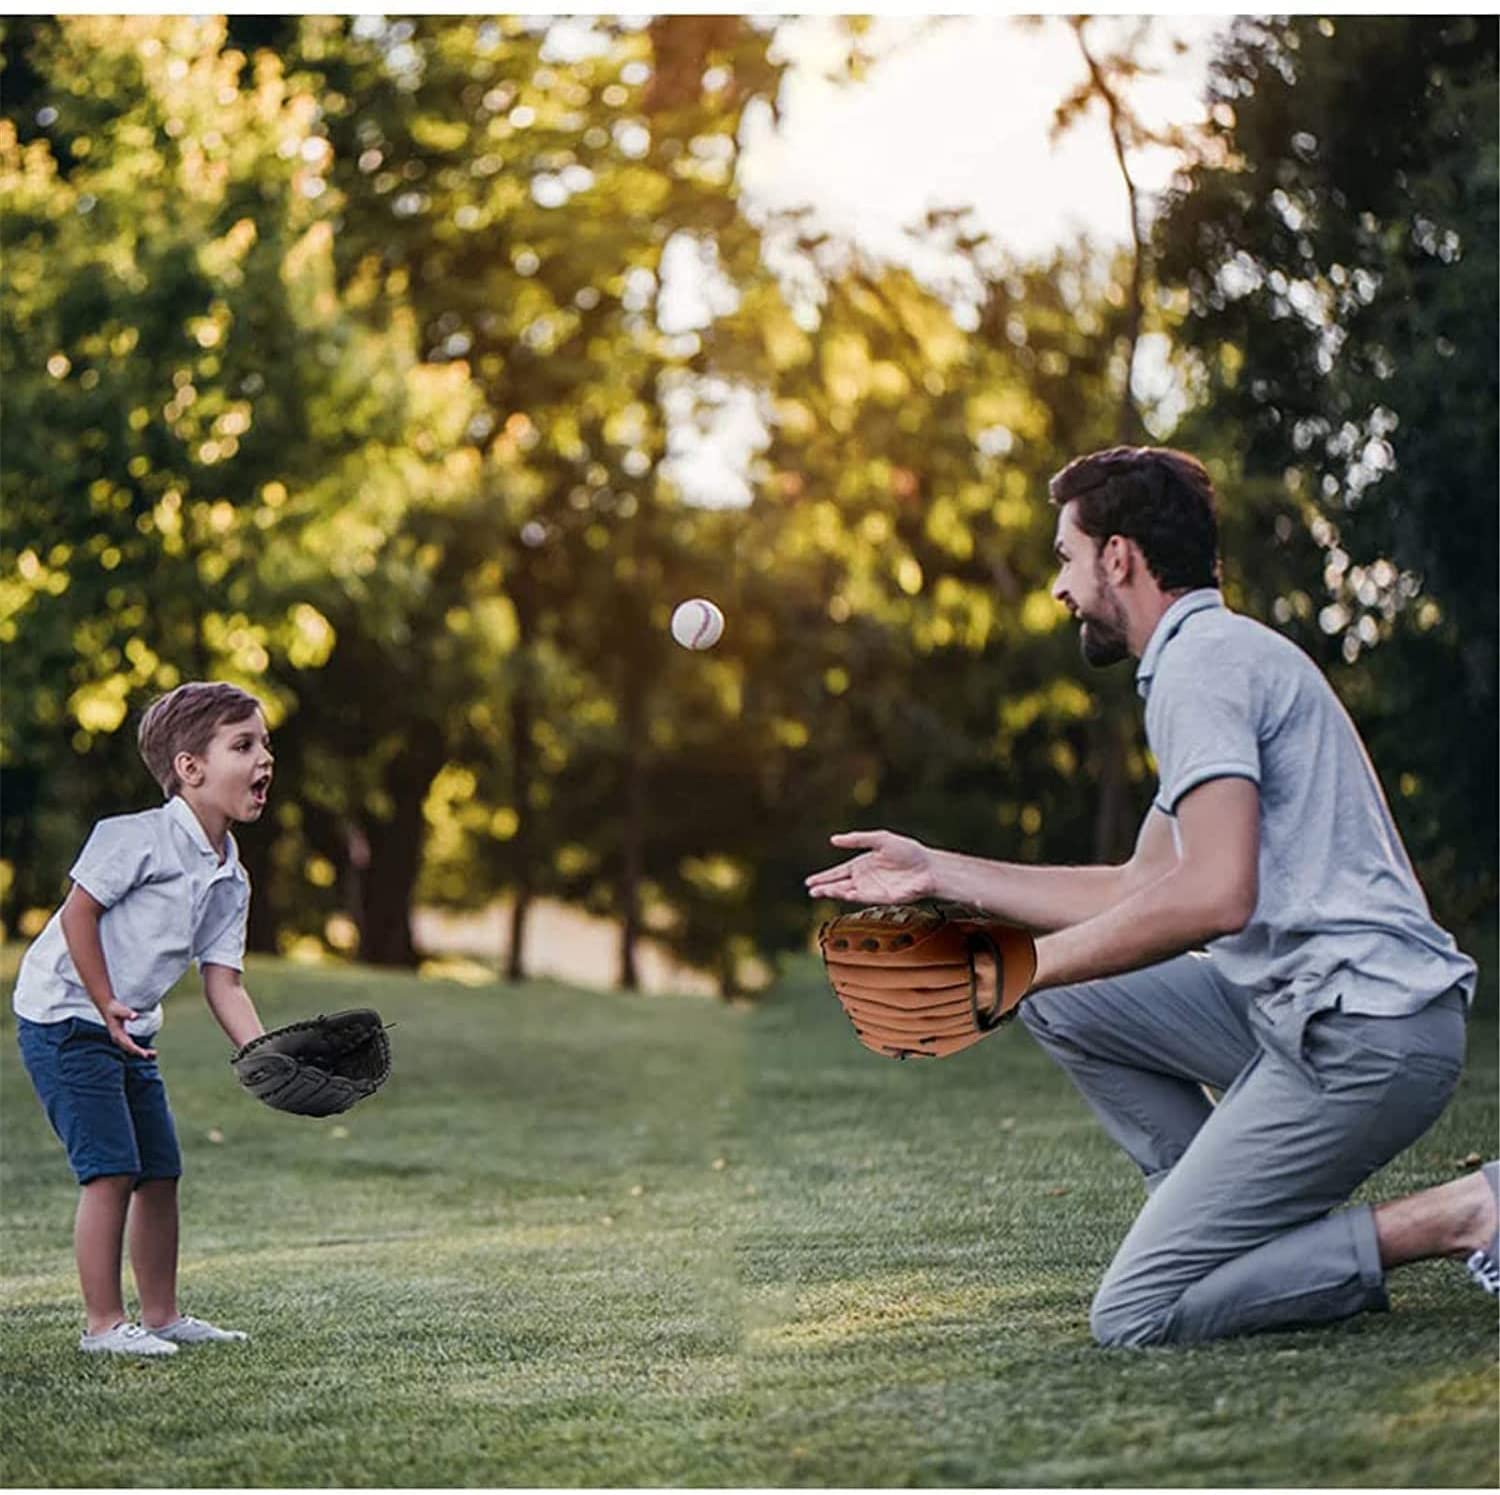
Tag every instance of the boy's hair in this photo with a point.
(184, 721)
(1161, 498)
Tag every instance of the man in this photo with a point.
(1267, 938)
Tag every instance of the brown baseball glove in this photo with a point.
(926, 978)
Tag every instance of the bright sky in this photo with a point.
(957, 112)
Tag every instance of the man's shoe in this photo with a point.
(1484, 1265)
(125, 1339)
(188, 1330)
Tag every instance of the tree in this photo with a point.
(208, 438)
(1339, 289)
(152, 392)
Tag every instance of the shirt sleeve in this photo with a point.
(221, 939)
(1202, 726)
(120, 854)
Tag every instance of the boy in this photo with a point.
(151, 893)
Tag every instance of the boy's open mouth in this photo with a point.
(260, 788)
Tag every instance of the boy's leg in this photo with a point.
(98, 1231)
(80, 1078)
(153, 1249)
(153, 1210)
(1140, 1047)
(1245, 1233)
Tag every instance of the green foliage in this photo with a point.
(354, 359)
(206, 449)
(1339, 289)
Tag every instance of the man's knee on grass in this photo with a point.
(1130, 1318)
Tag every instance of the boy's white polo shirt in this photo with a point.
(168, 902)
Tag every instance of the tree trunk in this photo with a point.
(256, 845)
(515, 965)
(1112, 820)
(523, 758)
(1112, 831)
(396, 852)
(633, 850)
(1128, 426)
(729, 986)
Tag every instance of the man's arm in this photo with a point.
(230, 1003)
(79, 919)
(1211, 890)
(897, 869)
(1045, 898)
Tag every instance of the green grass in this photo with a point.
(586, 1240)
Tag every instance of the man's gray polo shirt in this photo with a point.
(168, 902)
(1340, 916)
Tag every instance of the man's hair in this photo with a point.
(1160, 498)
(184, 721)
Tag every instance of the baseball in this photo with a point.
(697, 624)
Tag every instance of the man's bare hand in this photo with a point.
(892, 869)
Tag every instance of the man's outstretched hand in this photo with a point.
(892, 869)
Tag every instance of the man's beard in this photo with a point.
(1103, 640)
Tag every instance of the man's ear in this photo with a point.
(1119, 559)
(188, 769)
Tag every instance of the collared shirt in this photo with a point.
(168, 902)
(1340, 914)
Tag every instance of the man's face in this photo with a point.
(1083, 589)
(236, 768)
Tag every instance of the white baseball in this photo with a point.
(697, 624)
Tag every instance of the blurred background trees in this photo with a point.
(362, 361)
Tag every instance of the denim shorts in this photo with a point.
(108, 1107)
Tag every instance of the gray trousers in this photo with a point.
(1242, 1228)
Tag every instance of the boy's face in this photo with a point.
(233, 774)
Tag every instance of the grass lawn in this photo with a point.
(586, 1239)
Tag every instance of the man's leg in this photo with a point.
(1457, 1218)
(1140, 1047)
(1239, 1237)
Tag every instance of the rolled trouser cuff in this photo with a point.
(1361, 1221)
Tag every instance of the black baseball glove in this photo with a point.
(317, 1068)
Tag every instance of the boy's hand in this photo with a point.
(116, 1015)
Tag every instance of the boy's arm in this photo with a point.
(224, 990)
(79, 919)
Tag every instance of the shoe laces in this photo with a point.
(1485, 1270)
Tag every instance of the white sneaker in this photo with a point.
(188, 1330)
(1484, 1266)
(125, 1339)
(1485, 1270)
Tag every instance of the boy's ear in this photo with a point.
(188, 769)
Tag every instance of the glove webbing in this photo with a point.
(287, 1085)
